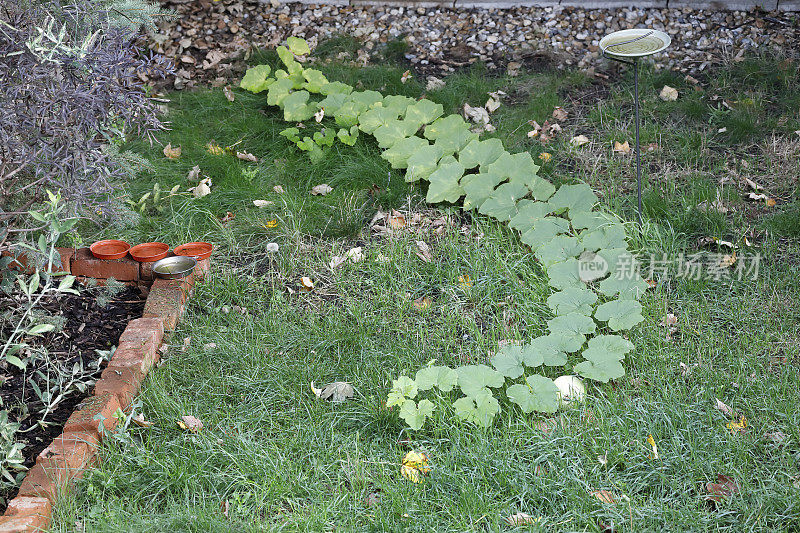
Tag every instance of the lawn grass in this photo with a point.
(277, 458)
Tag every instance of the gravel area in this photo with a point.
(209, 39)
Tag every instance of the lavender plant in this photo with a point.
(70, 86)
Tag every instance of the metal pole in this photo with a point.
(638, 149)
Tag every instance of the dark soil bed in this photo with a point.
(73, 348)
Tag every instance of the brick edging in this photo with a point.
(75, 450)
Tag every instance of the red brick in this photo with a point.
(24, 523)
(85, 264)
(143, 329)
(21, 263)
(123, 382)
(39, 483)
(65, 457)
(29, 506)
(83, 418)
(138, 344)
(166, 304)
(184, 285)
(203, 267)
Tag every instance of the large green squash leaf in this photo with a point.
(479, 409)
(423, 163)
(414, 414)
(335, 87)
(574, 198)
(558, 249)
(295, 107)
(392, 132)
(478, 188)
(606, 236)
(537, 394)
(256, 79)
(371, 120)
(543, 230)
(528, 212)
(564, 275)
(278, 91)
(480, 153)
(602, 358)
(423, 112)
(620, 314)
(436, 376)
(502, 204)
(520, 168)
(572, 300)
(402, 388)
(315, 80)
(403, 149)
(473, 378)
(444, 186)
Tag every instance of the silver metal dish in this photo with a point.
(634, 43)
(175, 267)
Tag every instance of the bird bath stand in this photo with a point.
(628, 46)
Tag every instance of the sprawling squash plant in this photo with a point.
(566, 232)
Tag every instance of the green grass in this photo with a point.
(284, 460)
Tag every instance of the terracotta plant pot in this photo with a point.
(148, 252)
(198, 250)
(110, 249)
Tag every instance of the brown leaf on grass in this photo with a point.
(190, 423)
(228, 93)
(227, 217)
(172, 153)
(424, 251)
(225, 507)
(719, 405)
(579, 140)
(406, 76)
(512, 69)
(306, 284)
(559, 113)
(521, 519)
(423, 302)
(770, 202)
(141, 422)
(725, 487)
(278, 189)
(622, 148)
(187, 341)
(245, 156)
(193, 174)
(337, 260)
(669, 320)
(321, 190)
(396, 220)
(604, 496)
(777, 437)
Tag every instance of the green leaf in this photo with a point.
(558, 249)
(367, 99)
(397, 103)
(602, 358)
(423, 112)
(473, 378)
(399, 154)
(509, 361)
(444, 185)
(298, 46)
(543, 230)
(333, 102)
(590, 220)
(278, 91)
(571, 329)
(478, 188)
(520, 168)
(371, 120)
(287, 58)
(550, 349)
(606, 236)
(414, 414)
(348, 137)
(326, 137)
(295, 108)
(255, 79)
(480, 153)
(564, 274)
(402, 388)
(502, 204)
(436, 376)
(572, 300)
(423, 163)
(391, 132)
(335, 87)
(620, 314)
(574, 198)
(528, 212)
(451, 133)
(479, 409)
(314, 80)
(40, 328)
(537, 394)
(307, 144)
(293, 134)
(629, 286)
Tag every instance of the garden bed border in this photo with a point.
(71, 453)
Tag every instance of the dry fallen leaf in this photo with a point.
(719, 405)
(306, 284)
(141, 422)
(579, 140)
(622, 148)
(669, 320)
(652, 442)
(424, 251)
(737, 426)
(172, 153)
(227, 217)
(201, 189)
(725, 487)
(319, 115)
(262, 203)
(245, 156)
(545, 156)
(603, 459)
(190, 423)
(464, 281)
(272, 223)
(214, 149)
(434, 84)
(604, 496)
(415, 466)
(228, 93)
(337, 392)
(533, 133)
(521, 519)
(337, 260)
(728, 260)
(278, 189)
(668, 94)
(559, 113)
(355, 255)
(406, 76)
(492, 105)
(423, 302)
(477, 114)
(512, 69)
(396, 220)
(193, 174)
(755, 197)
(321, 189)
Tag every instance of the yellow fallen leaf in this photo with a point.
(559, 113)
(190, 423)
(464, 281)
(622, 148)
(423, 302)
(579, 140)
(652, 442)
(604, 496)
(202, 189)
(737, 426)
(271, 223)
(415, 466)
(172, 153)
(521, 519)
(215, 149)
(492, 105)
(545, 156)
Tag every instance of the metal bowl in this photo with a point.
(638, 42)
(176, 267)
